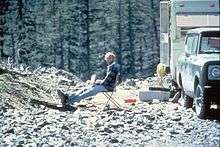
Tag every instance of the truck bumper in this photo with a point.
(212, 92)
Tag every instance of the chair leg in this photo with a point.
(106, 107)
(110, 98)
(116, 103)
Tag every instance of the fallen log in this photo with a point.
(53, 105)
(13, 72)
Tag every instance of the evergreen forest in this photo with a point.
(74, 35)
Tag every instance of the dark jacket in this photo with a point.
(110, 79)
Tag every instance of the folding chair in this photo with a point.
(110, 95)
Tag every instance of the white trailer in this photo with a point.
(176, 18)
(190, 46)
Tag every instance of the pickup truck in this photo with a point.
(198, 70)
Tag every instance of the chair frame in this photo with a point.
(109, 95)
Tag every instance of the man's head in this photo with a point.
(109, 57)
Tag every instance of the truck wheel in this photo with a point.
(202, 106)
(187, 101)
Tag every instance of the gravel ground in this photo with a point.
(161, 124)
(143, 124)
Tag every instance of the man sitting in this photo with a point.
(105, 85)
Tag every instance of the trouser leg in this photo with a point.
(88, 92)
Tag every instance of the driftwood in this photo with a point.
(13, 72)
(3, 71)
(53, 105)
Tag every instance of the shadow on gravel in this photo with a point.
(54, 105)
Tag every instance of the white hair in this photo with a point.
(108, 54)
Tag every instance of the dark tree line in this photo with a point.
(75, 34)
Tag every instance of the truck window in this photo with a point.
(191, 43)
(194, 45)
(210, 42)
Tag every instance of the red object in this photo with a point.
(130, 100)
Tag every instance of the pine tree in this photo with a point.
(4, 4)
(119, 38)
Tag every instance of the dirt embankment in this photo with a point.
(18, 87)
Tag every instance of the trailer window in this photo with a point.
(210, 43)
(197, 19)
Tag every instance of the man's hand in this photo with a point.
(98, 81)
(93, 79)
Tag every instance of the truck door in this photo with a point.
(188, 69)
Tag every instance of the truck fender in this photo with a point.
(196, 80)
(179, 79)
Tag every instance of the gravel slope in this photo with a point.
(143, 124)
(162, 124)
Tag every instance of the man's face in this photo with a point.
(109, 59)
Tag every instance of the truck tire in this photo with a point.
(202, 106)
(187, 101)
